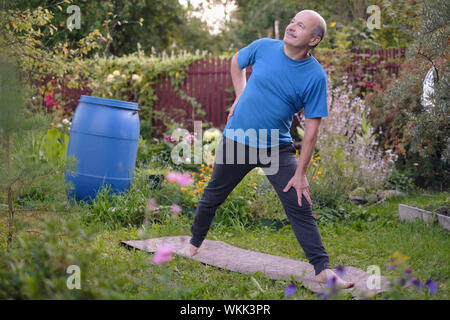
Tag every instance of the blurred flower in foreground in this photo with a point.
(175, 209)
(397, 260)
(330, 291)
(151, 204)
(331, 282)
(290, 290)
(181, 179)
(432, 286)
(340, 271)
(323, 295)
(163, 254)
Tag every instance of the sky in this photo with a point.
(214, 16)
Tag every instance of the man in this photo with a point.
(285, 79)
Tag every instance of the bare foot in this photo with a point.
(189, 250)
(327, 274)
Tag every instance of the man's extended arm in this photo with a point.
(239, 78)
(299, 180)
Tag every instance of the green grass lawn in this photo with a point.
(116, 272)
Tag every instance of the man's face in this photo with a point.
(299, 33)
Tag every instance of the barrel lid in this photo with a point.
(110, 102)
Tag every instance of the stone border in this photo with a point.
(410, 213)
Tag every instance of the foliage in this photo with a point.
(122, 25)
(399, 20)
(53, 65)
(47, 66)
(132, 78)
(19, 168)
(347, 155)
(418, 135)
(37, 265)
(115, 210)
(346, 22)
(55, 145)
(399, 181)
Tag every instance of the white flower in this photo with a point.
(136, 77)
(109, 78)
(65, 121)
(116, 73)
(211, 134)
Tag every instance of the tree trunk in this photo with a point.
(10, 206)
(11, 217)
(277, 32)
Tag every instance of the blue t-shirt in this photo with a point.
(278, 88)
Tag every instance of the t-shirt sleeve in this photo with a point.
(315, 99)
(247, 55)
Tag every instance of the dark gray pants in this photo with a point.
(226, 176)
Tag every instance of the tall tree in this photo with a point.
(123, 24)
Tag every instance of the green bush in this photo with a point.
(35, 266)
(133, 78)
(399, 181)
(418, 135)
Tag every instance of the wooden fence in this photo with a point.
(209, 83)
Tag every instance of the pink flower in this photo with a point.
(50, 102)
(170, 139)
(175, 209)
(190, 137)
(181, 179)
(151, 204)
(163, 254)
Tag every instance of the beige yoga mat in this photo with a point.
(222, 255)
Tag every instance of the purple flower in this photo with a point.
(417, 283)
(341, 271)
(290, 290)
(323, 295)
(163, 253)
(408, 272)
(331, 282)
(432, 286)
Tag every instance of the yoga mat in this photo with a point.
(222, 255)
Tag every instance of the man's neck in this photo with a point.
(296, 53)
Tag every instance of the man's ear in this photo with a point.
(315, 41)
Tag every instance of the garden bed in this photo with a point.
(412, 213)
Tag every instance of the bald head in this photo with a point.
(320, 26)
(306, 30)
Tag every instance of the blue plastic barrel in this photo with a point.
(104, 138)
